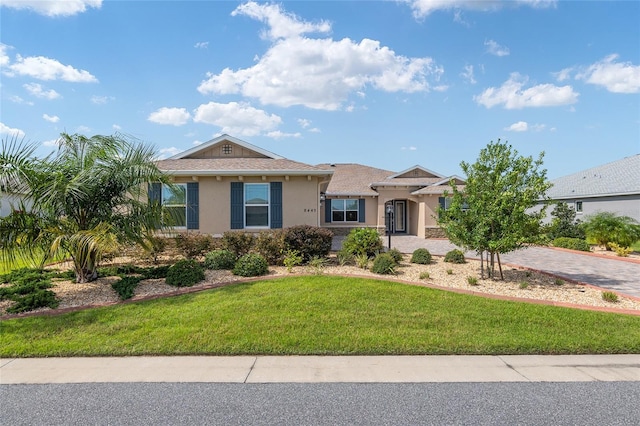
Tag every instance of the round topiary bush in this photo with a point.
(421, 256)
(251, 265)
(396, 255)
(185, 273)
(384, 264)
(220, 259)
(454, 256)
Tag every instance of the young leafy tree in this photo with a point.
(564, 223)
(86, 199)
(490, 213)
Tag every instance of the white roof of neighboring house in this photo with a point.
(620, 177)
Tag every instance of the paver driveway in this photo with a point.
(617, 275)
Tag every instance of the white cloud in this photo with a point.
(277, 134)
(523, 126)
(563, 75)
(53, 8)
(44, 68)
(201, 45)
(281, 24)
(38, 91)
(4, 58)
(172, 116)
(304, 123)
(409, 148)
(236, 118)
(617, 77)
(423, 8)
(197, 142)
(51, 118)
(83, 129)
(467, 74)
(51, 143)
(19, 100)
(116, 127)
(167, 152)
(101, 100)
(495, 49)
(318, 73)
(512, 96)
(6, 130)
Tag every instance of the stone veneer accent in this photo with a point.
(434, 232)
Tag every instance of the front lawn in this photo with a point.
(321, 315)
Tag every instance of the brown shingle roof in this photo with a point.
(353, 179)
(226, 166)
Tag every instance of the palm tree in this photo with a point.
(86, 200)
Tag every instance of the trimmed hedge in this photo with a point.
(455, 256)
(384, 264)
(309, 241)
(219, 259)
(572, 243)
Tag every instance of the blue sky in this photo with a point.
(389, 84)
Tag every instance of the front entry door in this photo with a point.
(400, 215)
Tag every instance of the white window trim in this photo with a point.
(176, 205)
(344, 210)
(575, 206)
(268, 205)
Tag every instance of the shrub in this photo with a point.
(238, 242)
(607, 227)
(455, 256)
(318, 264)
(35, 300)
(185, 273)
(609, 296)
(621, 251)
(449, 271)
(271, 245)
(345, 258)
(310, 241)
(472, 280)
(251, 265)
(126, 287)
(424, 275)
(220, 259)
(564, 223)
(192, 244)
(363, 241)
(524, 284)
(396, 255)
(154, 246)
(572, 243)
(558, 281)
(421, 256)
(291, 259)
(156, 272)
(384, 264)
(362, 260)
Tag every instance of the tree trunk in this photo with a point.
(500, 266)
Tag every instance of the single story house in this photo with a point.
(228, 184)
(612, 187)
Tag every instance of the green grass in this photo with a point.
(321, 315)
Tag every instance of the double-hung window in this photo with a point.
(256, 205)
(344, 210)
(174, 205)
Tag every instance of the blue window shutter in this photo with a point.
(237, 205)
(193, 210)
(276, 205)
(441, 201)
(327, 210)
(155, 192)
(361, 210)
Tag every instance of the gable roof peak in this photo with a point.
(417, 167)
(221, 138)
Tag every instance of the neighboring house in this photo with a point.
(612, 187)
(359, 195)
(226, 184)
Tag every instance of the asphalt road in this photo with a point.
(594, 403)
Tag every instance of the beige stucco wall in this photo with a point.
(370, 215)
(300, 198)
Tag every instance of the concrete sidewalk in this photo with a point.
(323, 369)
